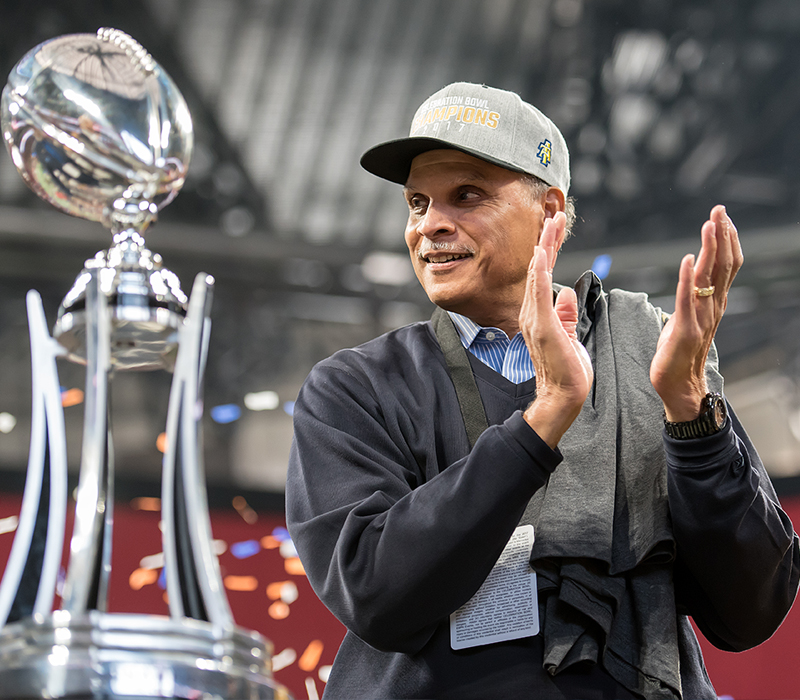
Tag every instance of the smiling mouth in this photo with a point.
(438, 257)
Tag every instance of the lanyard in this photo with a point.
(460, 369)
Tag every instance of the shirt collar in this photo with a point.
(467, 329)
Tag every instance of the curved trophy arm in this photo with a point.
(194, 582)
(86, 586)
(28, 568)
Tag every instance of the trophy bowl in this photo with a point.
(100, 131)
(97, 128)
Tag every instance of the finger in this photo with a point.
(547, 234)
(736, 245)
(548, 238)
(684, 294)
(537, 269)
(552, 233)
(729, 252)
(527, 300)
(542, 287)
(558, 226)
(706, 263)
(542, 318)
(566, 308)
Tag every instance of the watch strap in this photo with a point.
(707, 423)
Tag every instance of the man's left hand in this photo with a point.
(678, 368)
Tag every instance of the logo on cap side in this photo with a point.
(545, 152)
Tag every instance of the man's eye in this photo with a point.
(416, 203)
(467, 195)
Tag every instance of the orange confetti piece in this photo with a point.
(141, 578)
(270, 542)
(294, 566)
(161, 443)
(242, 507)
(310, 658)
(274, 590)
(240, 583)
(146, 503)
(71, 397)
(278, 610)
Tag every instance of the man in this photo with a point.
(587, 415)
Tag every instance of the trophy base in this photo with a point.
(133, 657)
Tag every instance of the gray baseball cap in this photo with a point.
(491, 124)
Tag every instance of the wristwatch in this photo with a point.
(713, 414)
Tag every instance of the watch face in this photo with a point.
(711, 420)
(719, 411)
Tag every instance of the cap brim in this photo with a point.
(391, 160)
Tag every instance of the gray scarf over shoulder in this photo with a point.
(604, 545)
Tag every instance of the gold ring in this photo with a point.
(704, 291)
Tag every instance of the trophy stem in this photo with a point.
(194, 582)
(86, 586)
(27, 570)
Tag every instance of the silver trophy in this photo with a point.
(99, 130)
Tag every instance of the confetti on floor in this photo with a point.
(311, 689)
(71, 397)
(152, 561)
(285, 658)
(244, 509)
(283, 590)
(310, 658)
(243, 550)
(240, 583)
(278, 610)
(141, 578)
(145, 503)
(9, 524)
(294, 567)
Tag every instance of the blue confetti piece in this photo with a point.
(243, 550)
(226, 413)
(281, 534)
(602, 266)
(288, 408)
(162, 579)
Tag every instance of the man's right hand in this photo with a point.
(564, 372)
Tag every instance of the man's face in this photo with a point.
(472, 227)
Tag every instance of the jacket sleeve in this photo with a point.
(738, 561)
(389, 556)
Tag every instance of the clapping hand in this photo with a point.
(677, 371)
(563, 369)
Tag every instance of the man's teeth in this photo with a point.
(444, 258)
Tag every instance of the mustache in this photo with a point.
(444, 247)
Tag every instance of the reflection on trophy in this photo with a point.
(99, 130)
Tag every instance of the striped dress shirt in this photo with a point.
(493, 347)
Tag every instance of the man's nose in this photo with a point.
(436, 222)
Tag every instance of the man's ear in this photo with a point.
(554, 202)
